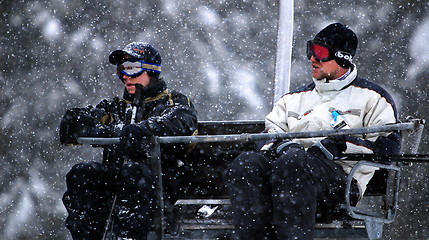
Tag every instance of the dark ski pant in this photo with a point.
(89, 197)
(278, 199)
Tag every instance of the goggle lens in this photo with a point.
(130, 69)
(319, 52)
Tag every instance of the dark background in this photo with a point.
(220, 53)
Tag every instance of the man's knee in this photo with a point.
(248, 163)
(87, 188)
(83, 174)
(291, 166)
(294, 158)
(249, 169)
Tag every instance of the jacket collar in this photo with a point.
(324, 85)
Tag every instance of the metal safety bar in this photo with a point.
(258, 136)
(291, 135)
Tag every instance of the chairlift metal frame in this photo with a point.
(373, 220)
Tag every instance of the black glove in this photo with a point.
(115, 107)
(134, 139)
(79, 122)
(75, 123)
(97, 113)
(330, 146)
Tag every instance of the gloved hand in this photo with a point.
(79, 122)
(331, 146)
(76, 122)
(276, 147)
(284, 145)
(265, 145)
(134, 139)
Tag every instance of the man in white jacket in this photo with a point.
(275, 192)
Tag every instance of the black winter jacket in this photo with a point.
(160, 111)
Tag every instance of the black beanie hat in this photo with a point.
(340, 40)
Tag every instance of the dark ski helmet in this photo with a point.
(341, 40)
(139, 51)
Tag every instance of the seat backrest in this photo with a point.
(378, 183)
(211, 158)
(230, 127)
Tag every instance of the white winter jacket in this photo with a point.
(361, 103)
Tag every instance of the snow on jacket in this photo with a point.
(361, 103)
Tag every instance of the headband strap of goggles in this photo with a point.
(144, 65)
(347, 56)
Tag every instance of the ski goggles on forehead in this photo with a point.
(134, 68)
(319, 51)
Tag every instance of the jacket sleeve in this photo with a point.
(389, 144)
(84, 122)
(275, 121)
(179, 118)
(381, 111)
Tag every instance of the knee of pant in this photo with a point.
(293, 159)
(248, 163)
(83, 174)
